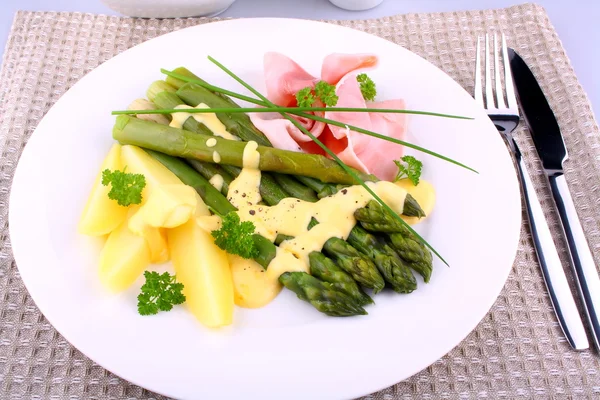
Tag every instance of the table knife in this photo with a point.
(551, 149)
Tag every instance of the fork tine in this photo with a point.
(478, 89)
(508, 80)
(489, 92)
(499, 91)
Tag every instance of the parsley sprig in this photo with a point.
(326, 93)
(305, 97)
(235, 237)
(323, 91)
(160, 293)
(125, 188)
(409, 167)
(367, 87)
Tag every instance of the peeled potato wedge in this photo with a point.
(204, 270)
(102, 215)
(167, 206)
(137, 161)
(123, 258)
(157, 243)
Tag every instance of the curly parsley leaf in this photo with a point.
(409, 168)
(305, 97)
(367, 87)
(125, 188)
(323, 91)
(326, 93)
(235, 237)
(160, 293)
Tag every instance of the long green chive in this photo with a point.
(292, 110)
(313, 117)
(332, 154)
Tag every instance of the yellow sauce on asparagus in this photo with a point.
(210, 120)
(217, 182)
(291, 217)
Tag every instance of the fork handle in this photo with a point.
(552, 269)
(583, 261)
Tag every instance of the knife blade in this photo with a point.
(552, 151)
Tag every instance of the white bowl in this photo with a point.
(356, 5)
(168, 8)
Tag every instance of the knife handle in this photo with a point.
(552, 269)
(583, 261)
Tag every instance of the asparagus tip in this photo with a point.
(158, 86)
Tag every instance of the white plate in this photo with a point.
(287, 347)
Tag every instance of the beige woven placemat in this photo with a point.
(517, 351)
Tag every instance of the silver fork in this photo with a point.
(505, 115)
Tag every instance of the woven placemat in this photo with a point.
(517, 351)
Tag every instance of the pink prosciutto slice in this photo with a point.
(284, 78)
(381, 154)
(337, 65)
(366, 153)
(279, 131)
(282, 133)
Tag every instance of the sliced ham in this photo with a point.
(284, 78)
(278, 130)
(337, 65)
(364, 152)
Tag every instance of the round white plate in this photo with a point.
(286, 349)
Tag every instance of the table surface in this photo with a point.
(576, 22)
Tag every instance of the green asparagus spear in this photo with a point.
(414, 252)
(171, 100)
(269, 189)
(360, 267)
(375, 218)
(241, 126)
(411, 207)
(394, 270)
(325, 269)
(211, 196)
(208, 171)
(177, 83)
(295, 188)
(236, 124)
(214, 199)
(182, 143)
(266, 250)
(158, 87)
(163, 96)
(287, 184)
(323, 189)
(322, 295)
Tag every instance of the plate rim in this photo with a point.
(106, 64)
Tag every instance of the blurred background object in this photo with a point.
(356, 5)
(169, 8)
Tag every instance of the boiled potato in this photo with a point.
(424, 194)
(137, 161)
(167, 206)
(203, 268)
(124, 257)
(157, 243)
(201, 207)
(166, 201)
(101, 215)
(252, 286)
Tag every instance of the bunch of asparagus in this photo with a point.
(379, 250)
